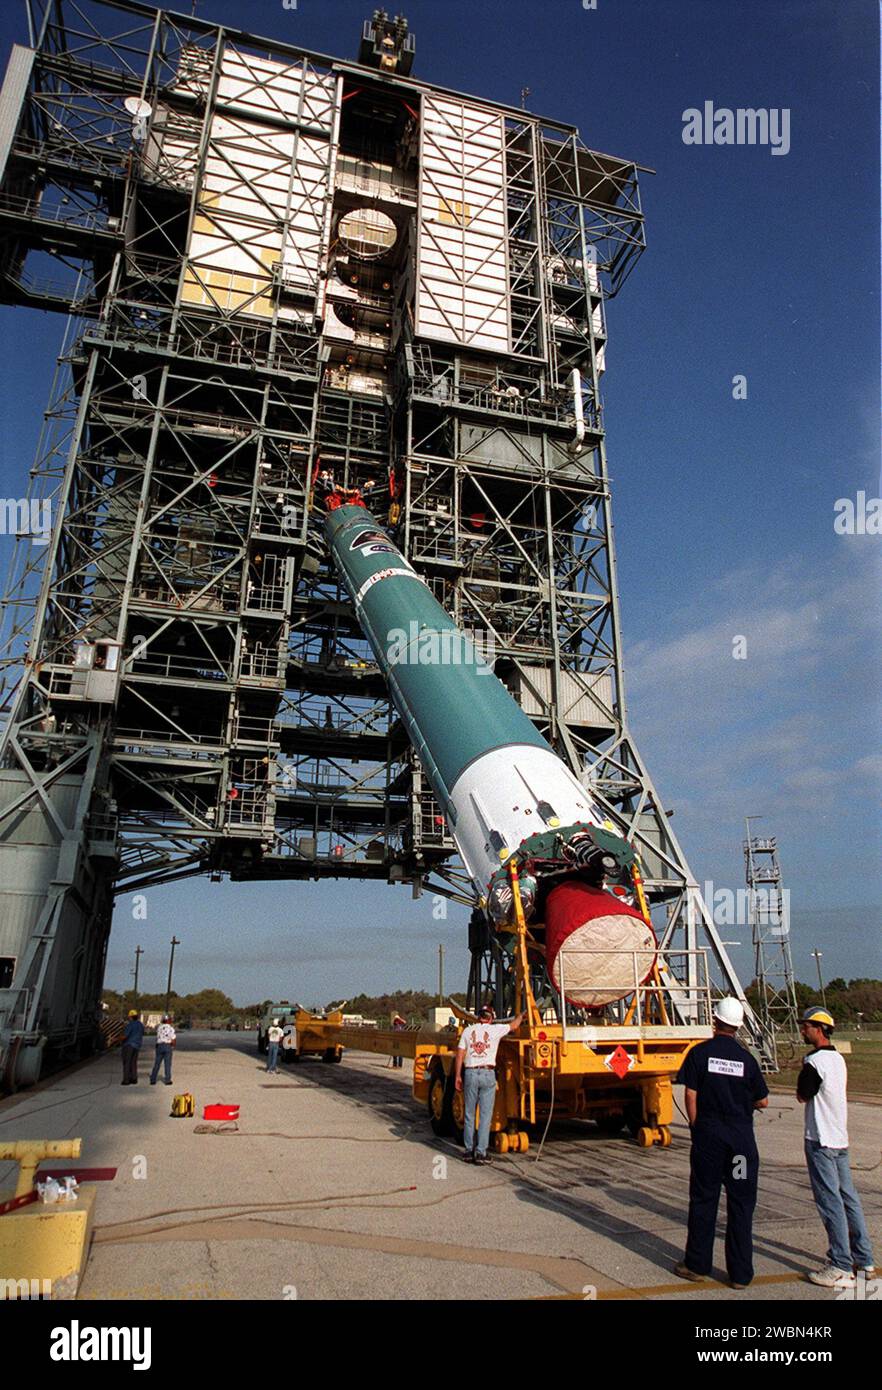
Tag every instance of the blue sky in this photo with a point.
(761, 265)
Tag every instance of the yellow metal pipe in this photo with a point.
(641, 896)
(29, 1153)
(523, 992)
(657, 981)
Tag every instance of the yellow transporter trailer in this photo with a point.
(619, 1074)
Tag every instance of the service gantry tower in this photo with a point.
(278, 264)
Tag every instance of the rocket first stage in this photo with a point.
(506, 794)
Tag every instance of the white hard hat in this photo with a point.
(730, 1012)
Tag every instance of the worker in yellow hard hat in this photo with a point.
(131, 1047)
(822, 1018)
(821, 1088)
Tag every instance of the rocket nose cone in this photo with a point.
(596, 948)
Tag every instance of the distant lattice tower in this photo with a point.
(769, 918)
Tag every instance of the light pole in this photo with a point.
(138, 954)
(817, 955)
(171, 960)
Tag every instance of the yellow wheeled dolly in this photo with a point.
(43, 1248)
(515, 1142)
(649, 1135)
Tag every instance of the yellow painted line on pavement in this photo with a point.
(681, 1286)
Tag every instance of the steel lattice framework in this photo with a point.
(186, 689)
(769, 919)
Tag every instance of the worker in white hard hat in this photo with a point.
(724, 1086)
(821, 1087)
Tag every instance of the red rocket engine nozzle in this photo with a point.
(601, 947)
(343, 497)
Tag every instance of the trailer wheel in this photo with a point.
(440, 1104)
(331, 1054)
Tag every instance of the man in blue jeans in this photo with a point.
(475, 1075)
(723, 1088)
(165, 1041)
(131, 1047)
(821, 1088)
(274, 1036)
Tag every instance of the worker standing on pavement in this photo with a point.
(821, 1088)
(475, 1076)
(274, 1036)
(165, 1041)
(399, 1024)
(724, 1086)
(131, 1046)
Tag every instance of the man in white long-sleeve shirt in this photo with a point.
(165, 1041)
(821, 1087)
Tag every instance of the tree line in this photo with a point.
(412, 1004)
(851, 1002)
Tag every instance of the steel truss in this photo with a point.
(769, 917)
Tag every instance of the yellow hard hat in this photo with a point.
(818, 1016)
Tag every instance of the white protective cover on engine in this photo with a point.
(500, 791)
(628, 952)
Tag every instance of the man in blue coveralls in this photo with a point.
(131, 1046)
(724, 1086)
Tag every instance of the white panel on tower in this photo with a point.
(294, 91)
(260, 214)
(462, 267)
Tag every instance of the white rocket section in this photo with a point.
(500, 791)
(462, 265)
(261, 207)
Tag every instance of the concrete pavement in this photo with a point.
(335, 1187)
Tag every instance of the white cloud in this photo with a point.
(789, 733)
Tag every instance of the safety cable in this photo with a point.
(229, 1211)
